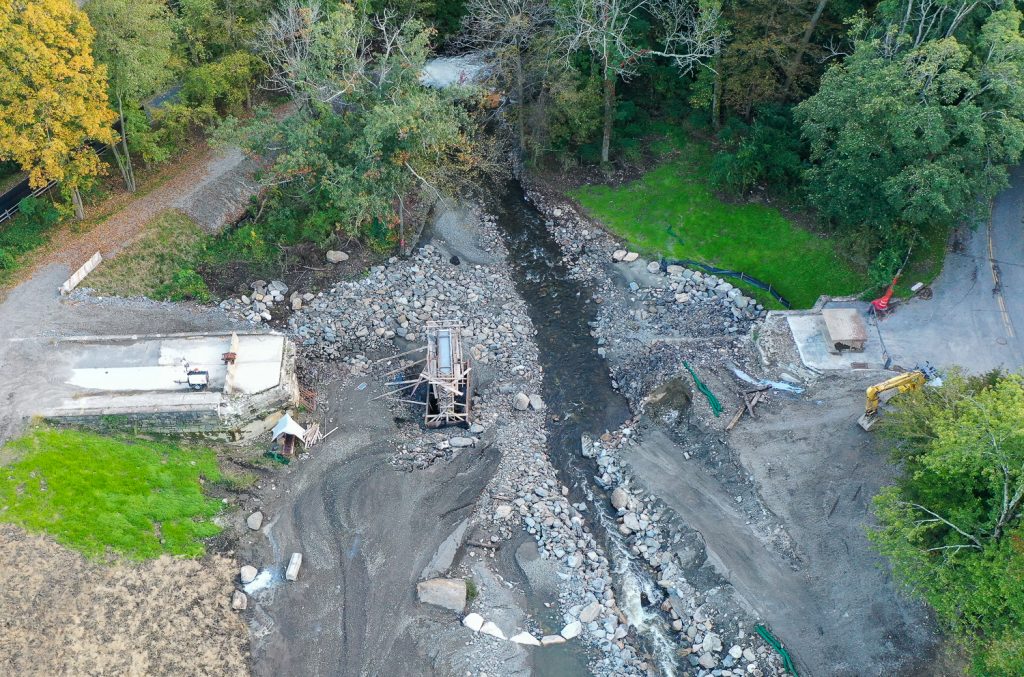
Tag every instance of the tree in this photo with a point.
(135, 41)
(52, 93)
(688, 33)
(366, 132)
(908, 133)
(763, 57)
(507, 29)
(952, 525)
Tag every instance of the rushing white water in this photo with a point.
(445, 71)
(633, 585)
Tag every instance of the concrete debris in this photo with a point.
(445, 554)
(551, 640)
(292, 572)
(473, 621)
(447, 593)
(525, 639)
(489, 628)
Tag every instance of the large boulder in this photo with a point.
(572, 629)
(590, 612)
(255, 520)
(620, 499)
(247, 574)
(447, 593)
(335, 256)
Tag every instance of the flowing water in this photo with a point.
(577, 388)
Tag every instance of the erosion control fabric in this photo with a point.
(716, 406)
(787, 660)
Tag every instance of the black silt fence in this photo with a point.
(10, 202)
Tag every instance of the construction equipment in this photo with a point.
(901, 383)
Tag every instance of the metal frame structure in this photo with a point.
(446, 375)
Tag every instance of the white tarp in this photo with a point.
(287, 426)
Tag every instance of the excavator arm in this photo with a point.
(901, 383)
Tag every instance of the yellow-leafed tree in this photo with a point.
(53, 96)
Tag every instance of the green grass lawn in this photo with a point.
(672, 212)
(106, 495)
(170, 242)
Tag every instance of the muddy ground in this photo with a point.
(366, 532)
(61, 614)
(781, 503)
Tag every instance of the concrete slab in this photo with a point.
(810, 341)
(139, 381)
(845, 328)
(156, 364)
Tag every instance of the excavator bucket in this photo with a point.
(867, 421)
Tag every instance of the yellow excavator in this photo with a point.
(901, 383)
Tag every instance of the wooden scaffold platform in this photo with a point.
(445, 378)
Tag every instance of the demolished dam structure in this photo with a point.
(225, 385)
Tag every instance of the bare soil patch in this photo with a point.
(61, 614)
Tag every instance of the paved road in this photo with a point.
(976, 317)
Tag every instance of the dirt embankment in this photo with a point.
(61, 614)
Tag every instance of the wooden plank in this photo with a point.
(407, 352)
(735, 418)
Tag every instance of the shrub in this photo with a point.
(769, 151)
(222, 85)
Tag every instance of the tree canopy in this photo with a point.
(366, 132)
(907, 134)
(952, 525)
(53, 94)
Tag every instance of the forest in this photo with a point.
(887, 121)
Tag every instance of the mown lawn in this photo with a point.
(170, 242)
(671, 211)
(105, 495)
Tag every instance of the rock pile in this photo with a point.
(265, 297)
(396, 301)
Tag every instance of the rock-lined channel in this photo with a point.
(577, 388)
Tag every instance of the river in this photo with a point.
(578, 390)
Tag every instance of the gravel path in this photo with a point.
(210, 186)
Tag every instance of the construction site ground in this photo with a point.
(825, 592)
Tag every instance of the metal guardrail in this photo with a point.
(13, 197)
(743, 277)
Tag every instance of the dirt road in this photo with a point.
(836, 606)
